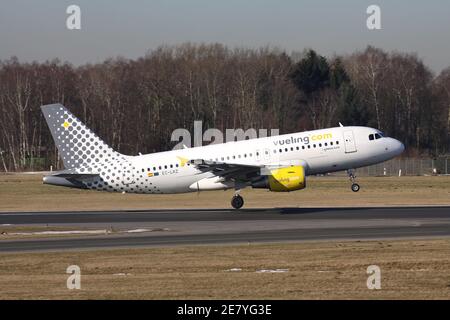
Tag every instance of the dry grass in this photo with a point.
(410, 269)
(417, 269)
(27, 193)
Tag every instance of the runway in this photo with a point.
(193, 227)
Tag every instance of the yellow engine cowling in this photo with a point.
(283, 179)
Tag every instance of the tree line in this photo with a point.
(134, 105)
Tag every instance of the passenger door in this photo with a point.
(349, 141)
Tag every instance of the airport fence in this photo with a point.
(408, 167)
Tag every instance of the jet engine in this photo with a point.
(283, 179)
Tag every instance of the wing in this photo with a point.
(229, 171)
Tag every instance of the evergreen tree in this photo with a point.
(311, 73)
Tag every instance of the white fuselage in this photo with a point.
(319, 151)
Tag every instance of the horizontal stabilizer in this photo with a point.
(69, 178)
(71, 174)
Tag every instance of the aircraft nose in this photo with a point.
(398, 147)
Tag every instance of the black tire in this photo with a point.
(237, 202)
(355, 187)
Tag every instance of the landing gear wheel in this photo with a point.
(237, 202)
(355, 187)
(352, 176)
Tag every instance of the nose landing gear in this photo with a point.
(237, 202)
(355, 187)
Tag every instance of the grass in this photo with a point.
(24, 192)
(414, 269)
(418, 269)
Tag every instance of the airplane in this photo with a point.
(277, 163)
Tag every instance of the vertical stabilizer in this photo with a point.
(78, 146)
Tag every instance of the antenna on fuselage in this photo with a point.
(341, 125)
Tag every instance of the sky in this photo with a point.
(36, 30)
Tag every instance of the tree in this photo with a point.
(134, 105)
(325, 87)
(368, 70)
(311, 74)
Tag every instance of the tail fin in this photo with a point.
(78, 146)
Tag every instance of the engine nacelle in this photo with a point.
(283, 179)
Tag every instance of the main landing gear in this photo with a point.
(237, 202)
(355, 187)
(352, 176)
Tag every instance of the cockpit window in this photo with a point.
(377, 136)
(371, 137)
